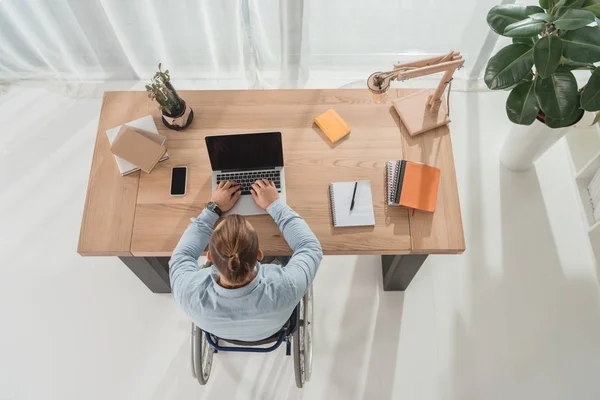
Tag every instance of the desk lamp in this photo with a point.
(425, 109)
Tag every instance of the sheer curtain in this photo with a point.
(266, 43)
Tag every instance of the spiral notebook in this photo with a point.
(341, 199)
(412, 185)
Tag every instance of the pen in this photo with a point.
(353, 196)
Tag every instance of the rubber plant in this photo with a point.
(548, 43)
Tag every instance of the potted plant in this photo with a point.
(175, 113)
(548, 43)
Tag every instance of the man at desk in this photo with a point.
(239, 298)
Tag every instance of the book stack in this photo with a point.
(412, 185)
(594, 191)
(137, 145)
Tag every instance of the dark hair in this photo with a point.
(234, 248)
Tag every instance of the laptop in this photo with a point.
(246, 158)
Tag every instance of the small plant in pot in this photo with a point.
(548, 43)
(175, 112)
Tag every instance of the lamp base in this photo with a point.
(416, 114)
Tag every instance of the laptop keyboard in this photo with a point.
(246, 179)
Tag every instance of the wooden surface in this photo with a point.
(311, 163)
(110, 202)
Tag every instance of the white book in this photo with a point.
(341, 194)
(146, 124)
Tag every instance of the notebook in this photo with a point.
(340, 194)
(147, 125)
(332, 125)
(138, 148)
(412, 185)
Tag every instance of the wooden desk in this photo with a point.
(135, 218)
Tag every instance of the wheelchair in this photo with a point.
(297, 333)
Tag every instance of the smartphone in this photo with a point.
(178, 181)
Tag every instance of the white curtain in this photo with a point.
(266, 43)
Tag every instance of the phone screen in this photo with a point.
(178, 181)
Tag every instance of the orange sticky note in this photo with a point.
(332, 125)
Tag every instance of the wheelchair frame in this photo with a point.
(296, 333)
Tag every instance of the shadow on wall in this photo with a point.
(532, 332)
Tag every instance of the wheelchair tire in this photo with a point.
(202, 356)
(302, 340)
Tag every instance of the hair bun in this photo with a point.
(234, 262)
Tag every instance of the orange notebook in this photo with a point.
(332, 125)
(412, 185)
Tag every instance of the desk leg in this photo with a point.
(399, 270)
(152, 271)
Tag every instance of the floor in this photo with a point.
(517, 316)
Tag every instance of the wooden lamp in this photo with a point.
(425, 109)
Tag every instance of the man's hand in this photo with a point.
(264, 193)
(226, 195)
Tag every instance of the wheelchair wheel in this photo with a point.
(302, 340)
(202, 355)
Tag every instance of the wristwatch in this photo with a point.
(212, 206)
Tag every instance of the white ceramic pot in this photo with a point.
(525, 144)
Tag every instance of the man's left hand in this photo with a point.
(226, 195)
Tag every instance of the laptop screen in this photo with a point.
(246, 151)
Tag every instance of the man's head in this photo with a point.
(233, 248)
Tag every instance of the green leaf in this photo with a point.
(590, 98)
(499, 17)
(546, 55)
(528, 41)
(574, 19)
(582, 45)
(541, 17)
(528, 78)
(593, 6)
(509, 66)
(522, 105)
(544, 4)
(569, 3)
(571, 119)
(557, 95)
(525, 28)
(597, 119)
(571, 65)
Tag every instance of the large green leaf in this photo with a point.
(499, 17)
(567, 121)
(521, 105)
(508, 66)
(590, 98)
(546, 55)
(528, 78)
(593, 6)
(526, 28)
(528, 41)
(557, 95)
(542, 17)
(569, 3)
(574, 19)
(545, 4)
(582, 45)
(571, 65)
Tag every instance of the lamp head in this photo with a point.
(378, 82)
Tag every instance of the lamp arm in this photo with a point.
(379, 82)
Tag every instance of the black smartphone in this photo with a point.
(178, 181)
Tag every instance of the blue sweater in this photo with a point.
(259, 309)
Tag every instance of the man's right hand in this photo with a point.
(264, 193)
